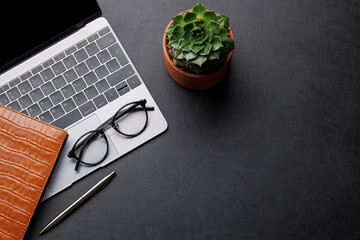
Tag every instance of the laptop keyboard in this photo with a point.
(74, 83)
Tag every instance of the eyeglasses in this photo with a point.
(92, 148)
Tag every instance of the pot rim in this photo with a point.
(192, 75)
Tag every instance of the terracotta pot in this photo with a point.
(194, 81)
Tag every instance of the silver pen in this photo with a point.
(95, 189)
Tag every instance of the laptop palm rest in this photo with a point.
(64, 175)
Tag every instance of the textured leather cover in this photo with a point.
(29, 149)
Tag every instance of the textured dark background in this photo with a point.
(272, 152)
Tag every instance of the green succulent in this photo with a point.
(199, 40)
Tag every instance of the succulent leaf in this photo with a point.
(216, 43)
(178, 20)
(223, 20)
(199, 39)
(196, 48)
(199, 60)
(199, 9)
(189, 16)
(214, 55)
(223, 34)
(178, 31)
(174, 44)
(170, 29)
(206, 50)
(187, 36)
(189, 26)
(190, 55)
(184, 45)
(214, 26)
(229, 44)
(209, 15)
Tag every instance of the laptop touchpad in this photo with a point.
(63, 174)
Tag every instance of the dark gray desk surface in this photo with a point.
(270, 153)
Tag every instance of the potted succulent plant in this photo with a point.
(198, 46)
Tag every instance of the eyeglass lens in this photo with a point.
(131, 120)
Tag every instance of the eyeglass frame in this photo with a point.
(101, 130)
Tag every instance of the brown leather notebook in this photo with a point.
(29, 149)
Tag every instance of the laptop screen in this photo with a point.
(29, 26)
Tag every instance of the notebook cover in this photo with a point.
(29, 149)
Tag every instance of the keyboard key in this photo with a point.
(111, 95)
(92, 49)
(46, 117)
(24, 87)
(68, 91)
(120, 75)
(104, 56)
(47, 74)
(80, 98)
(70, 75)
(104, 31)
(14, 82)
(25, 76)
(116, 51)
(36, 81)
(81, 69)
(57, 111)
(24, 112)
(68, 119)
(80, 55)
(81, 44)
(59, 56)
(4, 100)
(106, 41)
(34, 110)
(124, 90)
(48, 88)
(15, 106)
(100, 101)
(37, 69)
(79, 84)
(68, 105)
(102, 85)
(59, 82)
(91, 92)
(134, 81)
(93, 37)
(101, 72)
(25, 101)
(69, 61)
(90, 78)
(4, 88)
(36, 95)
(56, 97)
(45, 104)
(121, 85)
(48, 63)
(70, 50)
(87, 108)
(112, 65)
(92, 62)
(58, 68)
(13, 94)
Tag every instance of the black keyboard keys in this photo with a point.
(46, 117)
(24, 87)
(87, 108)
(120, 75)
(106, 41)
(68, 119)
(116, 52)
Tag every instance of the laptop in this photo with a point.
(62, 63)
